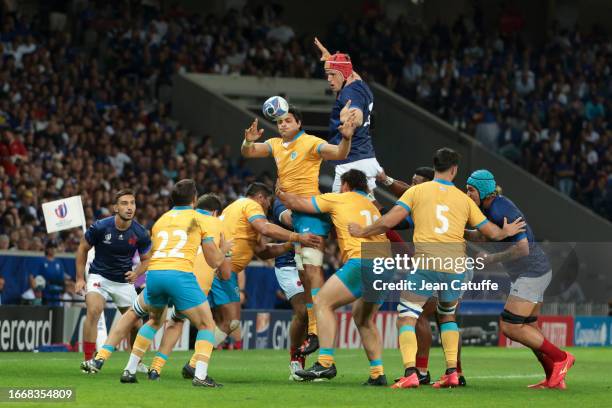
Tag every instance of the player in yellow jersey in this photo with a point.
(440, 212)
(298, 158)
(210, 206)
(246, 220)
(177, 235)
(346, 285)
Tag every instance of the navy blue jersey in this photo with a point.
(534, 264)
(361, 98)
(114, 248)
(288, 258)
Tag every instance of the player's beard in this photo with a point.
(126, 218)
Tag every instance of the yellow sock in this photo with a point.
(204, 346)
(105, 352)
(408, 345)
(146, 334)
(312, 320)
(193, 360)
(326, 357)
(449, 332)
(376, 369)
(158, 362)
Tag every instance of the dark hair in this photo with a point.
(445, 158)
(123, 192)
(183, 192)
(297, 114)
(257, 188)
(209, 202)
(356, 180)
(425, 172)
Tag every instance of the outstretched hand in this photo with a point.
(325, 54)
(252, 133)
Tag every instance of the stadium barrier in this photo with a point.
(25, 328)
(592, 331)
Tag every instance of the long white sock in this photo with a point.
(201, 370)
(132, 364)
(220, 336)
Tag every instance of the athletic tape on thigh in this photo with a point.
(512, 318)
(312, 256)
(446, 310)
(298, 261)
(409, 309)
(140, 312)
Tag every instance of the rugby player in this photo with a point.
(440, 212)
(177, 234)
(116, 239)
(531, 273)
(345, 286)
(298, 158)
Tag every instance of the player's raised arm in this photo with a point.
(494, 233)
(397, 187)
(382, 225)
(249, 147)
(81, 262)
(272, 250)
(341, 151)
(277, 232)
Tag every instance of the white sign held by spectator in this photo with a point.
(64, 214)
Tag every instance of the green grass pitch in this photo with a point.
(259, 378)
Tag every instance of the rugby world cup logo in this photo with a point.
(61, 211)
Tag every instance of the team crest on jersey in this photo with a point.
(293, 155)
(107, 238)
(120, 237)
(132, 241)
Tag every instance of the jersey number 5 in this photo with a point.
(174, 252)
(440, 209)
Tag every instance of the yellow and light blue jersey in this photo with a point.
(298, 163)
(346, 208)
(440, 212)
(237, 217)
(205, 273)
(176, 237)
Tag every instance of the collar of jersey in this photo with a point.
(363, 193)
(182, 207)
(446, 182)
(203, 211)
(300, 133)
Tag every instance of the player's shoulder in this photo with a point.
(502, 204)
(139, 228)
(306, 137)
(356, 88)
(274, 140)
(104, 222)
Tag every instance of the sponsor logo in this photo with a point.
(591, 336)
(24, 335)
(61, 211)
(107, 238)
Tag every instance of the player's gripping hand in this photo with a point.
(252, 133)
(515, 227)
(355, 229)
(130, 277)
(347, 129)
(310, 240)
(79, 286)
(225, 246)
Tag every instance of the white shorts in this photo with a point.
(369, 166)
(289, 280)
(531, 288)
(123, 294)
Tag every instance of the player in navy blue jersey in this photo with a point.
(530, 271)
(348, 86)
(289, 280)
(115, 239)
